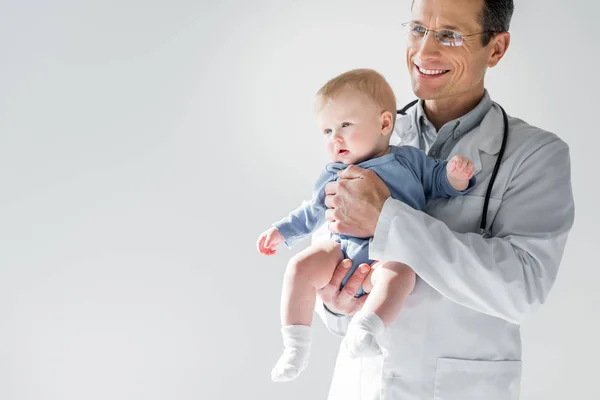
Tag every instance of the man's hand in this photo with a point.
(355, 201)
(269, 241)
(343, 301)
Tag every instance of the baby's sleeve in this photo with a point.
(307, 218)
(433, 175)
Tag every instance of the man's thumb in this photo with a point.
(352, 172)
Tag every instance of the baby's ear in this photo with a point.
(387, 123)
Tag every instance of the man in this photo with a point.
(458, 335)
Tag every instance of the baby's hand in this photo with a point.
(269, 241)
(460, 169)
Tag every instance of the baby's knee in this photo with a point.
(299, 267)
(401, 270)
(393, 273)
(315, 264)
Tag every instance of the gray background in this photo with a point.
(144, 145)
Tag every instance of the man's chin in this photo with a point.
(425, 93)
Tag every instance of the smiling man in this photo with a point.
(484, 260)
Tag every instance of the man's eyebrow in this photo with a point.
(450, 27)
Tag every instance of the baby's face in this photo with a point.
(351, 126)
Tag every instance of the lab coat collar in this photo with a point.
(486, 137)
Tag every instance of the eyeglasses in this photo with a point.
(444, 37)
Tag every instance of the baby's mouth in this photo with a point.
(342, 152)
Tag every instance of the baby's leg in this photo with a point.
(388, 285)
(306, 272)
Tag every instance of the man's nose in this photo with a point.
(428, 47)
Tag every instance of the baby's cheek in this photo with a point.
(329, 149)
(360, 142)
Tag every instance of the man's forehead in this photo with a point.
(447, 14)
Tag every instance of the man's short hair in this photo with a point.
(495, 17)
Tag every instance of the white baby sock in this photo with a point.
(296, 342)
(361, 336)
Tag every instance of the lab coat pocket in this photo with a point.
(457, 379)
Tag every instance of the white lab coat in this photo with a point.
(457, 336)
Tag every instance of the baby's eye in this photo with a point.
(345, 124)
(327, 131)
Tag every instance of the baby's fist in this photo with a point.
(460, 168)
(269, 241)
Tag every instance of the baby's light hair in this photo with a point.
(366, 81)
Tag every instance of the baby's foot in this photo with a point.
(289, 366)
(296, 342)
(361, 336)
(360, 343)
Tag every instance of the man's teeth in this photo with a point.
(431, 71)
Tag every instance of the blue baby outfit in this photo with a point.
(411, 177)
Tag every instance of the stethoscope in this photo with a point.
(496, 167)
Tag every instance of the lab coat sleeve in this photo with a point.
(508, 274)
(336, 323)
(309, 216)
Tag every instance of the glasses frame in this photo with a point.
(436, 36)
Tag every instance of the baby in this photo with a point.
(356, 114)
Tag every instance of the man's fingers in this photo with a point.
(329, 292)
(330, 201)
(353, 284)
(334, 227)
(329, 215)
(344, 301)
(331, 188)
(332, 215)
(339, 273)
(359, 303)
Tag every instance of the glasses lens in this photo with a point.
(449, 38)
(416, 30)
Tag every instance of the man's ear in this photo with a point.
(499, 47)
(387, 122)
